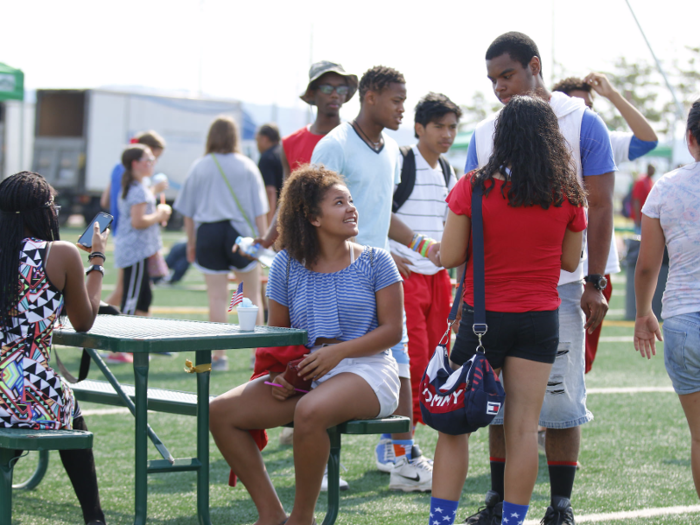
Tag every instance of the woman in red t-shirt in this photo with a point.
(534, 217)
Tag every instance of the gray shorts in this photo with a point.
(565, 400)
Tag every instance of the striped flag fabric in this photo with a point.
(237, 297)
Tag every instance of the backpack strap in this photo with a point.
(447, 170)
(408, 178)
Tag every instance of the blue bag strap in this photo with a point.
(480, 327)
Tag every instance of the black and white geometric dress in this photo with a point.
(32, 395)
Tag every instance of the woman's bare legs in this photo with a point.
(217, 291)
(450, 466)
(250, 406)
(525, 383)
(691, 407)
(323, 407)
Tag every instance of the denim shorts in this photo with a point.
(400, 352)
(682, 352)
(565, 399)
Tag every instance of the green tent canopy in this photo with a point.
(11, 83)
(462, 139)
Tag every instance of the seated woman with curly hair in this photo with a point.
(349, 298)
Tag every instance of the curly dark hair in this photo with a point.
(519, 46)
(300, 202)
(434, 106)
(572, 84)
(527, 140)
(26, 202)
(378, 78)
(694, 120)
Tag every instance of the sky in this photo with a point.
(260, 51)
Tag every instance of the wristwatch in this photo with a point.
(599, 281)
(95, 268)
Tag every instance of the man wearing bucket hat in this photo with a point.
(328, 89)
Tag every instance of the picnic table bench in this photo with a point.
(12, 439)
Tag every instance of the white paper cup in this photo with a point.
(247, 315)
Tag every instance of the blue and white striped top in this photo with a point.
(339, 305)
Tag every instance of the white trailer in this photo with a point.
(80, 134)
(16, 149)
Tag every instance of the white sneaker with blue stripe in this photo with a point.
(384, 454)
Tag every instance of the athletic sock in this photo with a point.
(514, 514)
(402, 447)
(561, 478)
(498, 472)
(442, 510)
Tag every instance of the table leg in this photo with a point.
(203, 357)
(141, 438)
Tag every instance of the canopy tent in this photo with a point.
(11, 83)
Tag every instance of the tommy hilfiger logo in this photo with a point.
(492, 408)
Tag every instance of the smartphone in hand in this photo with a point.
(85, 240)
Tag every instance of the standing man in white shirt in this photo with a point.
(419, 202)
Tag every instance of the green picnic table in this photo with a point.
(144, 335)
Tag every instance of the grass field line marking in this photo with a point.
(629, 390)
(630, 514)
(616, 339)
(104, 411)
(626, 324)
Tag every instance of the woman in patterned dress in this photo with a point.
(41, 275)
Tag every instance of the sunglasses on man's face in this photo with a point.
(327, 89)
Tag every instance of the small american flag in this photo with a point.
(237, 297)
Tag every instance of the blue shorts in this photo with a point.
(400, 352)
(682, 352)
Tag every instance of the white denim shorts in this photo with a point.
(381, 373)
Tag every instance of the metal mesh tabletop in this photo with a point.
(123, 333)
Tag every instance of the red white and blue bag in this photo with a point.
(464, 400)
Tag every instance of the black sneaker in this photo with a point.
(491, 513)
(560, 513)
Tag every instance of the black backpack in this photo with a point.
(408, 176)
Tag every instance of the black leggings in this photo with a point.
(80, 467)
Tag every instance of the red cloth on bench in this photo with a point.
(268, 360)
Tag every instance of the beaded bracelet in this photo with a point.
(97, 254)
(421, 244)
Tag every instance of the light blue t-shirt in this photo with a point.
(115, 189)
(371, 177)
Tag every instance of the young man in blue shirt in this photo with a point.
(514, 68)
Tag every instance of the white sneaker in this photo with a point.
(411, 476)
(342, 485)
(384, 455)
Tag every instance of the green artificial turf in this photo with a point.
(635, 454)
